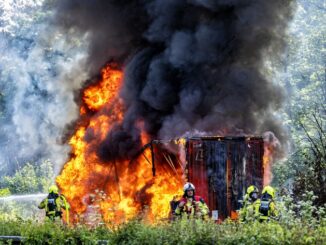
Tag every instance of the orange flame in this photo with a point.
(267, 162)
(128, 188)
(98, 95)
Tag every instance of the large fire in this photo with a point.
(117, 190)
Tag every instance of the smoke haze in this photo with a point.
(37, 91)
(189, 64)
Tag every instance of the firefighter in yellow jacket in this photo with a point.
(250, 203)
(54, 203)
(190, 205)
(266, 208)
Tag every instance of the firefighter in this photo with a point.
(266, 209)
(53, 205)
(250, 202)
(190, 205)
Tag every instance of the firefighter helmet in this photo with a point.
(269, 190)
(252, 189)
(53, 189)
(188, 186)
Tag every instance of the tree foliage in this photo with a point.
(305, 112)
(312, 176)
(31, 178)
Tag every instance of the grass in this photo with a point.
(180, 232)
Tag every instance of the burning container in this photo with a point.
(222, 168)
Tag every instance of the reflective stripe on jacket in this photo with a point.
(271, 213)
(248, 211)
(194, 207)
(60, 203)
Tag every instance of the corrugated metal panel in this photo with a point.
(237, 152)
(197, 168)
(255, 170)
(222, 168)
(216, 160)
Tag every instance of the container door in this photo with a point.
(254, 163)
(236, 184)
(216, 160)
(197, 171)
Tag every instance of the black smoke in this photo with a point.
(190, 65)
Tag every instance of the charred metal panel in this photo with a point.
(237, 152)
(222, 168)
(254, 159)
(197, 168)
(216, 161)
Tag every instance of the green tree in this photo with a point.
(304, 114)
(45, 175)
(23, 181)
(312, 176)
(31, 178)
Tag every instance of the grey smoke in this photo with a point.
(37, 92)
(190, 65)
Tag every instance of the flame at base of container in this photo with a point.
(127, 189)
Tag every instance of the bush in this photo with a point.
(179, 232)
(297, 224)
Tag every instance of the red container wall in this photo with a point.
(222, 168)
(197, 168)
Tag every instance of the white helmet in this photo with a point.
(188, 186)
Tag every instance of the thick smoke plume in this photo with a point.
(189, 64)
(36, 91)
